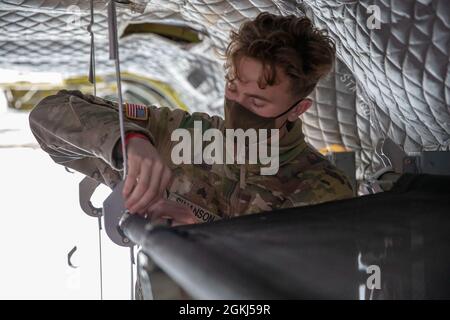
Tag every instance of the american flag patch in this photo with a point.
(136, 111)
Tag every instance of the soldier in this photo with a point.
(273, 63)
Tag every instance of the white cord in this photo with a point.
(114, 55)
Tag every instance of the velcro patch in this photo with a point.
(136, 111)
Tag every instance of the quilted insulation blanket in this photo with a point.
(391, 78)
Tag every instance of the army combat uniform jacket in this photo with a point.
(80, 132)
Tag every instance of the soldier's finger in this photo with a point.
(130, 181)
(179, 218)
(166, 177)
(134, 199)
(162, 222)
(180, 223)
(147, 200)
(155, 202)
(179, 214)
(155, 181)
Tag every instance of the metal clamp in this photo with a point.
(113, 211)
(86, 189)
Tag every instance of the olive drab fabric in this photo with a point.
(80, 131)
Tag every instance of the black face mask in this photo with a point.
(239, 117)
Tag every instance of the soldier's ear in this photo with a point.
(301, 107)
(305, 105)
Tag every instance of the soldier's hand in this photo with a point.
(148, 176)
(165, 209)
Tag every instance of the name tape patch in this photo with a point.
(200, 213)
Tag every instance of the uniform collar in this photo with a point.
(290, 146)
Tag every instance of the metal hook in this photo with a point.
(69, 257)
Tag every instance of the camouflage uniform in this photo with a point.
(80, 131)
